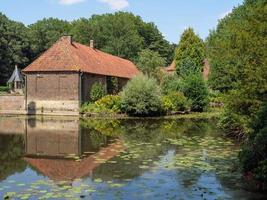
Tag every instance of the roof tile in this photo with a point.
(66, 55)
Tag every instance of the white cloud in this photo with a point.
(225, 14)
(70, 2)
(116, 4)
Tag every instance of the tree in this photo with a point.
(195, 89)
(190, 47)
(237, 51)
(148, 61)
(44, 33)
(14, 47)
(122, 34)
(253, 156)
(187, 67)
(82, 31)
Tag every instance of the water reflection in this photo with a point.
(64, 151)
(68, 158)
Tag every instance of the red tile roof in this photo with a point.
(69, 170)
(171, 68)
(66, 55)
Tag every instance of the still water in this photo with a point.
(68, 158)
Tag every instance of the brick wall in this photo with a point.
(54, 93)
(53, 86)
(12, 102)
(87, 82)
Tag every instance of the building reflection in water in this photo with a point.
(52, 147)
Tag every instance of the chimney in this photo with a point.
(92, 43)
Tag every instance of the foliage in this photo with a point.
(46, 32)
(141, 97)
(98, 90)
(107, 104)
(122, 34)
(190, 51)
(237, 48)
(12, 149)
(254, 154)
(188, 67)
(112, 85)
(238, 58)
(111, 102)
(148, 61)
(4, 89)
(195, 89)
(174, 101)
(14, 47)
(170, 83)
(216, 97)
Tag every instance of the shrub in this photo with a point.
(170, 83)
(97, 92)
(175, 101)
(110, 102)
(253, 157)
(216, 97)
(233, 124)
(107, 104)
(195, 89)
(141, 97)
(4, 89)
(167, 104)
(112, 85)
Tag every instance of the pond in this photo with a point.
(69, 158)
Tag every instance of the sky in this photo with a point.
(170, 16)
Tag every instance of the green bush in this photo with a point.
(107, 104)
(4, 89)
(233, 124)
(110, 102)
(170, 83)
(175, 101)
(253, 157)
(215, 96)
(195, 89)
(98, 90)
(141, 97)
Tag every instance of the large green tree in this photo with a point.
(122, 34)
(192, 48)
(237, 48)
(14, 47)
(237, 51)
(46, 32)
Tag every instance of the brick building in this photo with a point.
(61, 78)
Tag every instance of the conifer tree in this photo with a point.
(191, 47)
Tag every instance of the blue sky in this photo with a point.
(171, 16)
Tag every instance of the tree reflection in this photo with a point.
(12, 149)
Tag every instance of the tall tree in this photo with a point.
(122, 34)
(14, 47)
(191, 47)
(45, 32)
(237, 51)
